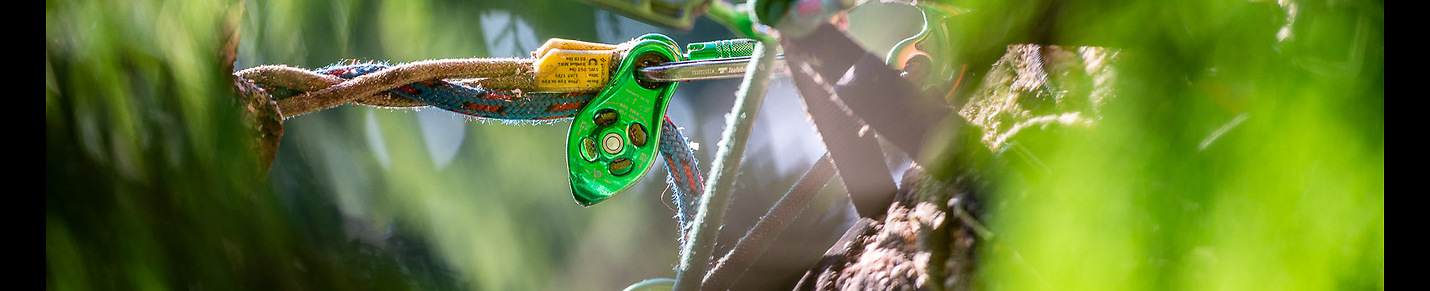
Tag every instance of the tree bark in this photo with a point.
(930, 237)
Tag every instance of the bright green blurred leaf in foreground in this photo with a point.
(150, 183)
(1244, 150)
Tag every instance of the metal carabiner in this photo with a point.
(924, 57)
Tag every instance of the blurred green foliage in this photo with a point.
(150, 181)
(1244, 149)
(150, 184)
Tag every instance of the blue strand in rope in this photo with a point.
(477, 102)
(684, 172)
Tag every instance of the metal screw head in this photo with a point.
(612, 143)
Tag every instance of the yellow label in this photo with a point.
(566, 44)
(562, 70)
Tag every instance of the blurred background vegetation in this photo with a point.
(1244, 150)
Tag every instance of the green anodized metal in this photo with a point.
(925, 57)
(679, 14)
(610, 145)
(730, 48)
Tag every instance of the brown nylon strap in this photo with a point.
(876, 93)
(851, 94)
(855, 151)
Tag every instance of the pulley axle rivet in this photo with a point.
(612, 143)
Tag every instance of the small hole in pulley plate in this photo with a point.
(644, 60)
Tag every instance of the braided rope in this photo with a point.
(479, 102)
(326, 91)
(683, 171)
(496, 93)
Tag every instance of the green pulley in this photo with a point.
(615, 139)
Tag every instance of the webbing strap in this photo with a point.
(850, 94)
(876, 93)
(758, 239)
(852, 146)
